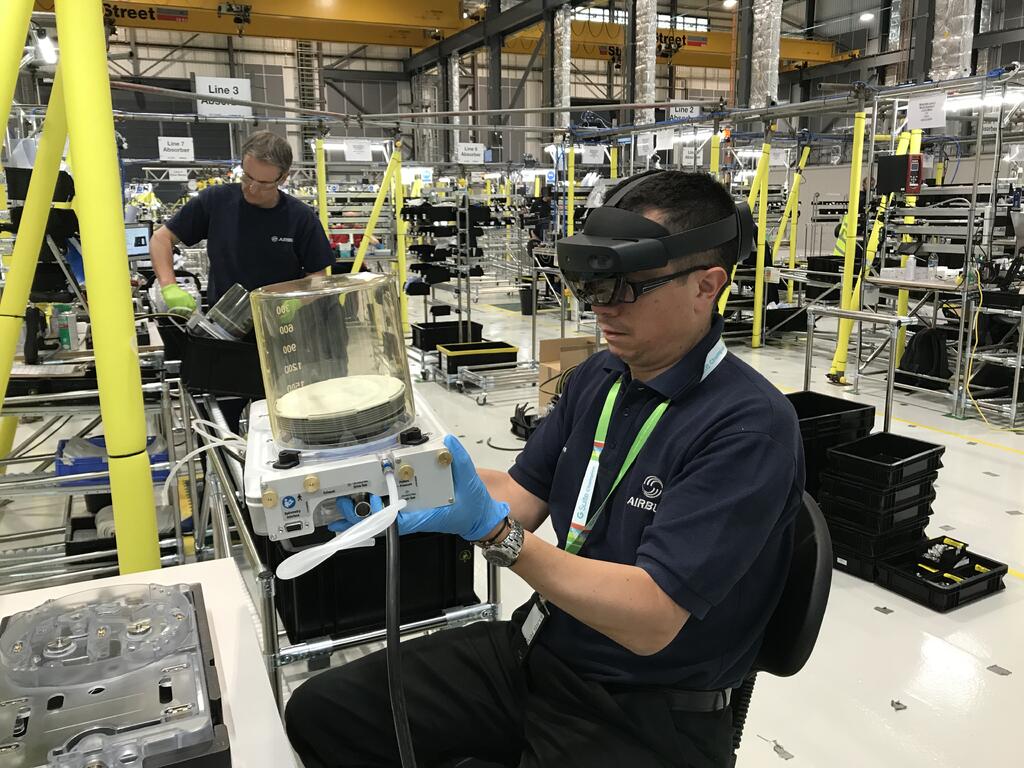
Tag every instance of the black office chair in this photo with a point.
(793, 627)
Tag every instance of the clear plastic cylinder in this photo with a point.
(233, 312)
(333, 360)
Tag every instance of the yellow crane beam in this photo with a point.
(696, 49)
(411, 23)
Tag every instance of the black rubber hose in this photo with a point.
(393, 621)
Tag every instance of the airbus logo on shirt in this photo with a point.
(651, 489)
(277, 239)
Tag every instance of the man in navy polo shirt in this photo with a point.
(255, 234)
(672, 473)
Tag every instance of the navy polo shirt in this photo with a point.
(250, 245)
(707, 509)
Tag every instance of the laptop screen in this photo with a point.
(137, 239)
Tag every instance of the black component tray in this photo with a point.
(849, 491)
(874, 545)
(212, 365)
(426, 336)
(872, 521)
(345, 595)
(885, 459)
(78, 542)
(899, 574)
(821, 415)
(451, 357)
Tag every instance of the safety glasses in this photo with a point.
(608, 290)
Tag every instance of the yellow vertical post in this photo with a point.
(716, 153)
(839, 359)
(614, 161)
(378, 206)
(417, 187)
(321, 185)
(488, 189)
(903, 298)
(762, 242)
(400, 229)
(853, 208)
(32, 229)
(100, 215)
(939, 170)
(570, 196)
(14, 20)
(791, 203)
(536, 186)
(762, 166)
(794, 223)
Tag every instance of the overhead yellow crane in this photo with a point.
(415, 24)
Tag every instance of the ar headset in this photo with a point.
(615, 242)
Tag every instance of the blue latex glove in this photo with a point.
(473, 515)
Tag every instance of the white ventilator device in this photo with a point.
(340, 418)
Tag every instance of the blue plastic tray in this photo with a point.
(97, 464)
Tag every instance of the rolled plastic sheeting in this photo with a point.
(563, 62)
(953, 40)
(764, 55)
(454, 90)
(646, 64)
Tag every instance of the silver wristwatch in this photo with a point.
(505, 552)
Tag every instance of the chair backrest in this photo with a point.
(793, 628)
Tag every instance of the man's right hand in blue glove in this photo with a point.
(474, 515)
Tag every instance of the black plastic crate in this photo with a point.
(885, 459)
(345, 595)
(821, 415)
(979, 578)
(875, 545)
(816, 454)
(80, 539)
(786, 319)
(215, 366)
(863, 494)
(426, 336)
(872, 521)
(454, 356)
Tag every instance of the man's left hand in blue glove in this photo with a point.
(474, 515)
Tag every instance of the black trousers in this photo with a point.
(468, 696)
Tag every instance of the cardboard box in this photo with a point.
(557, 355)
(546, 388)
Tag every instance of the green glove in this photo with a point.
(178, 302)
(286, 312)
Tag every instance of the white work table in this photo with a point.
(254, 726)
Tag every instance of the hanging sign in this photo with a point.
(230, 88)
(177, 174)
(358, 150)
(644, 144)
(593, 155)
(176, 148)
(688, 156)
(664, 139)
(779, 157)
(686, 110)
(469, 153)
(927, 111)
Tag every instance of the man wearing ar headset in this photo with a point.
(672, 473)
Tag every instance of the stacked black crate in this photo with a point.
(826, 422)
(876, 494)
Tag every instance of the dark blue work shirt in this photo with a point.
(707, 509)
(250, 245)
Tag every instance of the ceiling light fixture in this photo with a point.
(729, 4)
(867, 16)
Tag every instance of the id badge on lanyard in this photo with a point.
(582, 519)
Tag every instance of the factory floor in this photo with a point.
(890, 682)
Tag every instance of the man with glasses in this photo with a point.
(255, 234)
(671, 473)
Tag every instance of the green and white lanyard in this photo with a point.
(582, 520)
